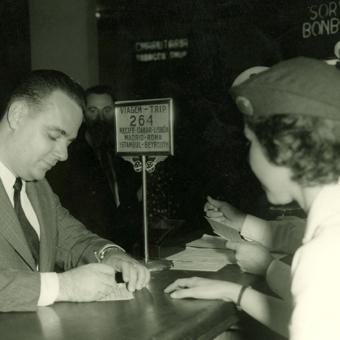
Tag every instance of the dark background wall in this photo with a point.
(191, 51)
(15, 53)
(224, 38)
(218, 40)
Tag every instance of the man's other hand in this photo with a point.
(134, 273)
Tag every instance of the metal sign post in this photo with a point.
(144, 137)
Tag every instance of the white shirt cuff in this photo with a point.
(49, 289)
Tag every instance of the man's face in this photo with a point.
(99, 107)
(41, 139)
(99, 116)
(275, 180)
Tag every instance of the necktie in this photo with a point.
(30, 233)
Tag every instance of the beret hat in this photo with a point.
(301, 86)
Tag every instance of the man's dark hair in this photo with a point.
(309, 146)
(100, 89)
(39, 84)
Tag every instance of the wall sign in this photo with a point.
(161, 49)
(144, 127)
(323, 20)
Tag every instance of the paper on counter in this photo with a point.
(208, 241)
(196, 266)
(201, 259)
(119, 293)
(226, 232)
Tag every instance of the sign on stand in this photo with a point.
(144, 137)
(144, 127)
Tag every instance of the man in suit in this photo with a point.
(98, 187)
(41, 119)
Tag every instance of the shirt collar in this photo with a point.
(8, 180)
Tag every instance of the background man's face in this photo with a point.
(99, 117)
(100, 107)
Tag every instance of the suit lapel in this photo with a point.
(10, 228)
(42, 209)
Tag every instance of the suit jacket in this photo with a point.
(83, 188)
(63, 241)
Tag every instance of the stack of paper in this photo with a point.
(201, 259)
(209, 253)
(208, 241)
(226, 232)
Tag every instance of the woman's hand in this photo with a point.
(200, 288)
(224, 213)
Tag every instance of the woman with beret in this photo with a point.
(292, 121)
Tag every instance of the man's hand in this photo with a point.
(224, 213)
(135, 274)
(200, 288)
(90, 282)
(252, 257)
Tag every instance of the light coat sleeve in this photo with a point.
(280, 236)
(279, 279)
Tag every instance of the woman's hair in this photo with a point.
(309, 146)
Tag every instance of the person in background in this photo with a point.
(292, 120)
(41, 119)
(98, 187)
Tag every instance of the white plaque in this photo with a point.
(144, 127)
